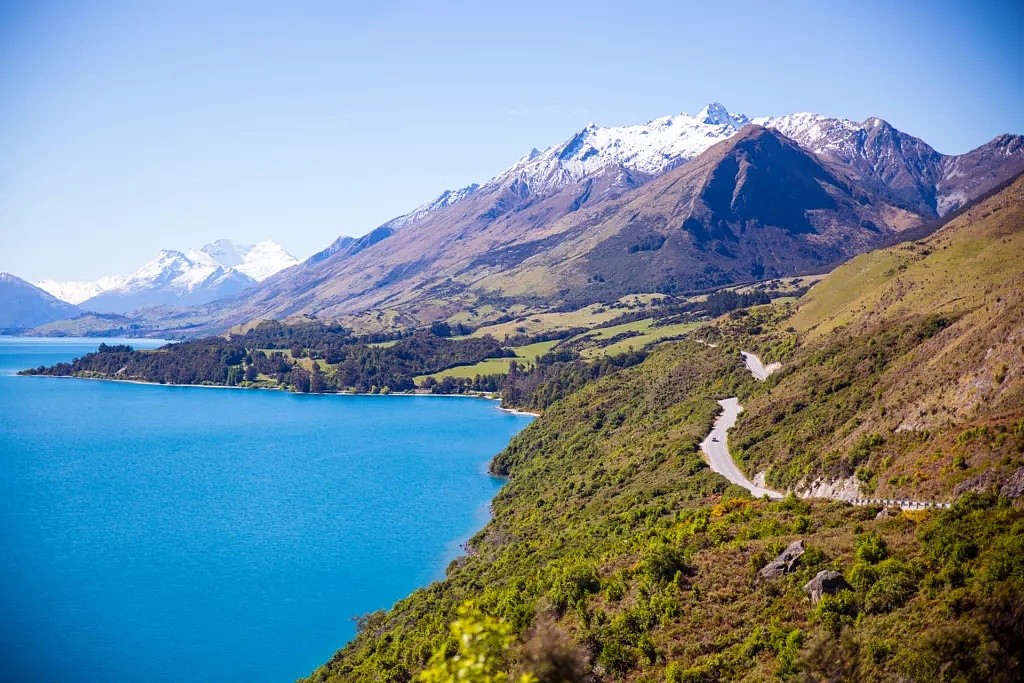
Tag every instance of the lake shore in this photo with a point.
(420, 393)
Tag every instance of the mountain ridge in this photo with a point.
(195, 276)
(24, 306)
(482, 247)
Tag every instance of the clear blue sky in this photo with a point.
(128, 127)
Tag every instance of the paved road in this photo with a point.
(716, 449)
(759, 370)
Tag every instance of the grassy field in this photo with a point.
(589, 316)
(495, 366)
(648, 335)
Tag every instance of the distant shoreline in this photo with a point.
(478, 395)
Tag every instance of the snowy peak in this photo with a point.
(77, 291)
(259, 261)
(650, 148)
(177, 277)
(715, 114)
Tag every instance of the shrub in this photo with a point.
(571, 583)
(662, 561)
(835, 611)
(872, 548)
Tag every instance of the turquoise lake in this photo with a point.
(198, 534)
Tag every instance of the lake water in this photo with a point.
(192, 534)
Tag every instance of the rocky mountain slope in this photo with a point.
(612, 232)
(554, 226)
(24, 306)
(919, 178)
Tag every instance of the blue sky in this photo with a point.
(130, 127)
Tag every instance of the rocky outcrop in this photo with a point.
(1011, 486)
(825, 583)
(785, 563)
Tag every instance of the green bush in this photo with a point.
(571, 582)
(872, 548)
(897, 582)
(662, 561)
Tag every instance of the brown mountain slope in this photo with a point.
(909, 375)
(754, 206)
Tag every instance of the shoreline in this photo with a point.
(407, 394)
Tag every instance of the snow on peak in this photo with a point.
(649, 148)
(77, 291)
(446, 198)
(189, 271)
(264, 259)
(258, 261)
(821, 134)
(715, 114)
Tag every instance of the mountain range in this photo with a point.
(213, 271)
(24, 306)
(680, 204)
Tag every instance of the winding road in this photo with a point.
(759, 370)
(716, 449)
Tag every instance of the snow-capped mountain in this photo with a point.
(259, 261)
(916, 176)
(77, 291)
(650, 149)
(197, 276)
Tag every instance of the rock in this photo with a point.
(986, 481)
(996, 481)
(784, 563)
(1013, 487)
(886, 513)
(825, 583)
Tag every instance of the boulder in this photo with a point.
(825, 583)
(784, 563)
(1013, 487)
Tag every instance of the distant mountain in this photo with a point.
(259, 261)
(615, 210)
(754, 205)
(917, 177)
(77, 291)
(216, 270)
(23, 305)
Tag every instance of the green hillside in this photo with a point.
(615, 553)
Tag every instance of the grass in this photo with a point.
(494, 366)
(949, 272)
(588, 316)
(648, 334)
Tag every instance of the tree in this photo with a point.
(317, 383)
(483, 649)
